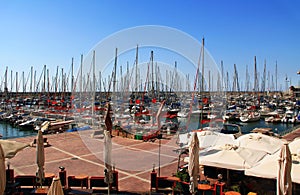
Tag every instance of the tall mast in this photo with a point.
(202, 83)
(115, 72)
(80, 82)
(23, 79)
(17, 86)
(44, 84)
(72, 74)
(48, 82)
(136, 67)
(222, 79)
(264, 78)
(152, 75)
(31, 78)
(94, 87)
(255, 76)
(276, 89)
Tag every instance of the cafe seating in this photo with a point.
(160, 184)
(97, 183)
(26, 181)
(79, 181)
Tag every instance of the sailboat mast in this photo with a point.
(136, 67)
(72, 74)
(115, 72)
(276, 89)
(80, 84)
(202, 83)
(152, 74)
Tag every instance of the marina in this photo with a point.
(160, 97)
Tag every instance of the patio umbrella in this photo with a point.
(2, 171)
(193, 166)
(40, 158)
(108, 149)
(10, 148)
(231, 157)
(107, 159)
(260, 141)
(56, 187)
(284, 180)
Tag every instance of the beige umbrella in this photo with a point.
(2, 171)
(56, 187)
(284, 180)
(10, 148)
(193, 166)
(108, 149)
(40, 158)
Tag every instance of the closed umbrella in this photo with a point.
(108, 149)
(193, 166)
(284, 180)
(40, 158)
(2, 171)
(56, 187)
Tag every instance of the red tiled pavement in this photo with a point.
(79, 153)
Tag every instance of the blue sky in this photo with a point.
(34, 33)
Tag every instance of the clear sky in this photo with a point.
(34, 33)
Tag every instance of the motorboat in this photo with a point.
(250, 117)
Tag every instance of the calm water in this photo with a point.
(247, 127)
(8, 131)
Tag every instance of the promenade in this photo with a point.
(292, 135)
(81, 154)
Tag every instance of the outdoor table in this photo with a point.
(204, 187)
(49, 175)
(41, 191)
(81, 178)
(232, 193)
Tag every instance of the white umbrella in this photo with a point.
(265, 168)
(193, 166)
(56, 187)
(231, 157)
(284, 180)
(40, 158)
(2, 171)
(10, 148)
(208, 139)
(260, 141)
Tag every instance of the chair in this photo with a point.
(26, 181)
(77, 181)
(97, 183)
(164, 185)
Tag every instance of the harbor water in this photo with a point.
(8, 131)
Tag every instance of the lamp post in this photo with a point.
(159, 136)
